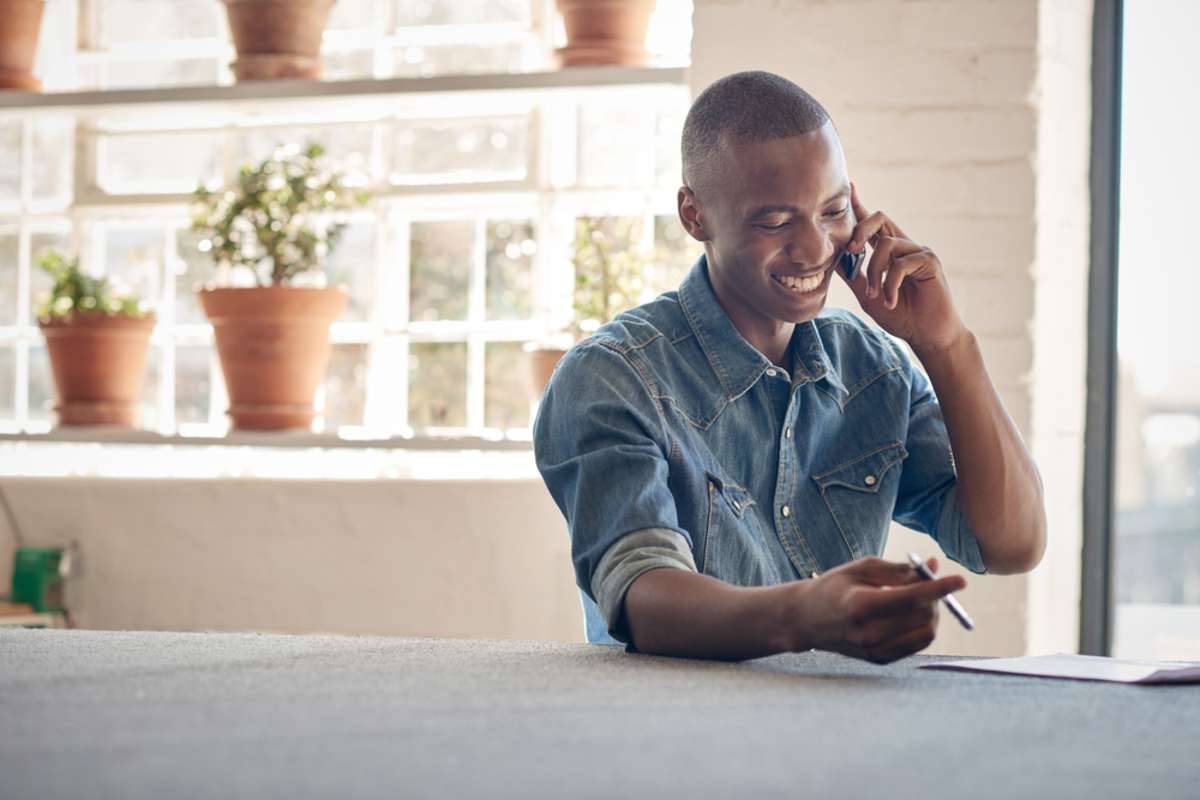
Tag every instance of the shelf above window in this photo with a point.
(375, 97)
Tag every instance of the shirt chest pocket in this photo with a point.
(861, 494)
(734, 550)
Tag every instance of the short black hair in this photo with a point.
(745, 107)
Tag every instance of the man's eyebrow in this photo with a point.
(763, 211)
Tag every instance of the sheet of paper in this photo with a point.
(1084, 668)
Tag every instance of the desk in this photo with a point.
(144, 714)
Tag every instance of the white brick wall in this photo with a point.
(967, 122)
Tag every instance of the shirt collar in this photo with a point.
(737, 364)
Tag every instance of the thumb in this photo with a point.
(878, 572)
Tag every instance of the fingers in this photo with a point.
(918, 265)
(906, 642)
(887, 257)
(871, 603)
(878, 572)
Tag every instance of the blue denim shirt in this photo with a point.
(667, 418)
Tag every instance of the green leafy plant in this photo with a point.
(74, 290)
(610, 270)
(280, 221)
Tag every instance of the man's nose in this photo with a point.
(810, 245)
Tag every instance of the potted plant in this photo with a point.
(277, 38)
(20, 24)
(268, 237)
(97, 336)
(609, 278)
(604, 32)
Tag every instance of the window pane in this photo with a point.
(352, 263)
(158, 162)
(1157, 461)
(348, 146)
(151, 73)
(346, 386)
(607, 244)
(121, 21)
(41, 385)
(148, 402)
(9, 243)
(458, 12)
(133, 261)
(8, 382)
(668, 165)
(193, 382)
(40, 283)
(354, 15)
(10, 163)
(506, 388)
(460, 151)
(613, 145)
(53, 159)
(463, 59)
(193, 270)
(437, 385)
(510, 250)
(441, 269)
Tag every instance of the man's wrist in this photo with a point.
(932, 355)
(784, 607)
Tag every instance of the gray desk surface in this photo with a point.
(106, 714)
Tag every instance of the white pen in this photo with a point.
(957, 610)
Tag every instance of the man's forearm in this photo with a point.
(673, 612)
(998, 483)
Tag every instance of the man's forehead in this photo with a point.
(798, 170)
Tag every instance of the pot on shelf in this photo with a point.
(273, 343)
(542, 361)
(604, 32)
(277, 39)
(20, 24)
(99, 366)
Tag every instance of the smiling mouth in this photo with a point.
(801, 285)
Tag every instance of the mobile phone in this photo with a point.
(850, 263)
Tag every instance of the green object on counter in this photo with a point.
(37, 579)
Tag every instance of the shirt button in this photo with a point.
(737, 506)
(869, 480)
(772, 372)
(786, 511)
(787, 433)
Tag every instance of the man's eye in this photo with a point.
(839, 212)
(770, 227)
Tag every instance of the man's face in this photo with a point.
(775, 216)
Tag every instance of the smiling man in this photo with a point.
(728, 456)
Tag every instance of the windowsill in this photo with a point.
(103, 435)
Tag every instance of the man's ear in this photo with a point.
(689, 214)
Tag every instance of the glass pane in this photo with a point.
(352, 263)
(510, 250)
(193, 382)
(133, 262)
(192, 270)
(613, 145)
(9, 243)
(53, 157)
(40, 283)
(148, 20)
(8, 382)
(437, 385)
(506, 388)
(152, 73)
(674, 253)
(460, 151)
(609, 269)
(10, 163)
(349, 146)
(422, 61)
(1157, 462)
(459, 12)
(668, 163)
(355, 15)
(41, 385)
(158, 162)
(346, 386)
(441, 269)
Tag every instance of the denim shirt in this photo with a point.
(667, 418)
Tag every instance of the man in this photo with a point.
(728, 456)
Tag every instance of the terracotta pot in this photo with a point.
(273, 342)
(604, 32)
(277, 38)
(542, 362)
(20, 24)
(99, 365)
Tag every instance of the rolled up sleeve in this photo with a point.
(928, 495)
(601, 446)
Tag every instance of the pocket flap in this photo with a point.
(864, 473)
(737, 498)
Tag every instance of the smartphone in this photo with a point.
(850, 263)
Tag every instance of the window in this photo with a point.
(462, 256)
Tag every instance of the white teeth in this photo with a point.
(801, 284)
